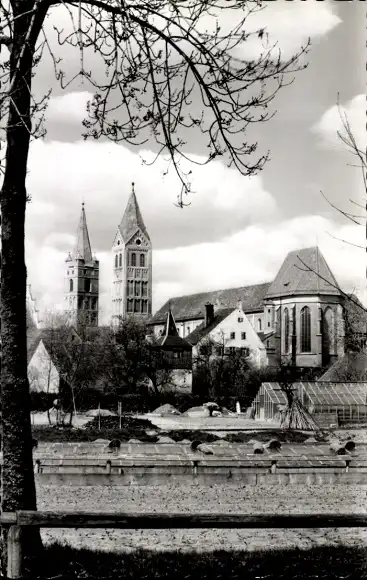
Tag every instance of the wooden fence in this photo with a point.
(14, 521)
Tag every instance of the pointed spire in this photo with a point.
(171, 328)
(132, 219)
(82, 249)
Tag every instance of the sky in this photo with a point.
(237, 230)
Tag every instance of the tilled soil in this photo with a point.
(206, 499)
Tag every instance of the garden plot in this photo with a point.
(289, 499)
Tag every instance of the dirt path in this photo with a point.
(216, 498)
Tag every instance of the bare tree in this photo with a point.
(156, 56)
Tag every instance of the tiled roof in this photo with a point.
(351, 367)
(201, 331)
(82, 249)
(293, 277)
(171, 338)
(132, 219)
(192, 306)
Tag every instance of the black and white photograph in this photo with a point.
(183, 289)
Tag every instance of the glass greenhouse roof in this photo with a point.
(329, 394)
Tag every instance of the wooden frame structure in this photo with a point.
(15, 521)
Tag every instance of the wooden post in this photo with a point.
(15, 556)
(99, 416)
(119, 410)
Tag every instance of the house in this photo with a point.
(300, 317)
(174, 356)
(227, 329)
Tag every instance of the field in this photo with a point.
(216, 498)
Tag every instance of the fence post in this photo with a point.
(15, 556)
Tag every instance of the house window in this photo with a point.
(71, 285)
(259, 324)
(130, 305)
(243, 335)
(232, 335)
(286, 330)
(219, 350)
(268, 324)
(120, 260)
(240, 320)
(305, 329)
(188, 330)
(116, 261)
(231, 350)
(133, 259)
(142, 260)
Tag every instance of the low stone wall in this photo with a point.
(202, 477)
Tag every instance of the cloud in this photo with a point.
(331, 123)
(288, 25)
(70, 108)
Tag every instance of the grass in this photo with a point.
(324, 562)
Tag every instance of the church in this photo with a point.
(299, 318)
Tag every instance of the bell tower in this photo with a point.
(132, 266)
(82, 279)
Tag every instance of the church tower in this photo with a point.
(82, 279)
(132, 266)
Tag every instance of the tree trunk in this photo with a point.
(18, 485)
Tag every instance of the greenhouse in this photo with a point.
(347, 400)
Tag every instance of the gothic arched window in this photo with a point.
(116, 261)
(120, 260)
(142, 260)
(286, 330)
(305, 329)
(329, 329)
(71, 285)
(133, 259)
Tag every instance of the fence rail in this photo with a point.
(15, 521)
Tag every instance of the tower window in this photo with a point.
(130, 287)
(116, 261)
(142, 260)
(120, 260)
(87, 285)
(259, 324)
(305, 329)
(133, 259)
(136, 305)
(144, 287)
(243, 335)
(71, 285)
(138, 242)
(144, 305)
(130, 305)
(137, 288)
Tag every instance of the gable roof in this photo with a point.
(132, 219)
(171, 338)
(192, 306)
(202, 330)
(351, 367)
(82, 249)
(293, 277)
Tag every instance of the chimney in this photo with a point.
(209, 313)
